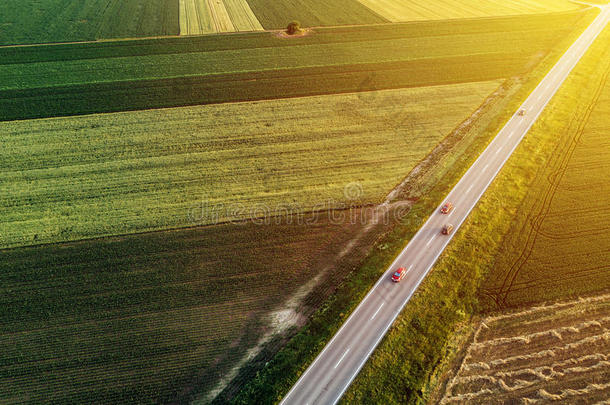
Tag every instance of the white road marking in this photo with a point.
(410, 267)
(376, 312)
(341, 359)
(430, 241)
(469, 188)
(499, 149)
(511, 134)
(484, 169)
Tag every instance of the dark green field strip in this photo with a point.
(123, 96)
(31, 21)
(51, 74)
(297, 68)
(141, 318)
(236, 41)
(77, 329)
(152, 278)
(312, 13)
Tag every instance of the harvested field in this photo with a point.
(81, 177)
(159, 317)
(541, 355)
(313, 13)
(32, 21)
(241, 16)
(413, 10)
(127, 75)
(212, 16)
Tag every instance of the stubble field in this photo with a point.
(554, 354)
(213, 16)
(411, 10)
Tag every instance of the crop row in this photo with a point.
(240, 41)
(144, 94)
(36, 75)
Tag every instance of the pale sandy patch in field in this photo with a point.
(413, 10)
(211, 16)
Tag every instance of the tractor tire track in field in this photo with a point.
(551, 352)
(535, 220)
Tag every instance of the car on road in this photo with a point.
(521, 112)
(399, 275)
(446, 208)
(447, 229)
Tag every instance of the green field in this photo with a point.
(30, 21)
(155, 317)
(80, 177)
(312, 13)
(558, 244)
(412, 10)
(127, 75)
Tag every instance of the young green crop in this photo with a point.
(140, 318)
(29, 21)
(82, 177)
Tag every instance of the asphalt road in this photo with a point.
(327, 378)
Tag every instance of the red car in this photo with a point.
(399, 275)
(446, 208)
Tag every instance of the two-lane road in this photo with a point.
(327, 378)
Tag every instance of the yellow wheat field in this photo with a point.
(211, 16)
(413, 10)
